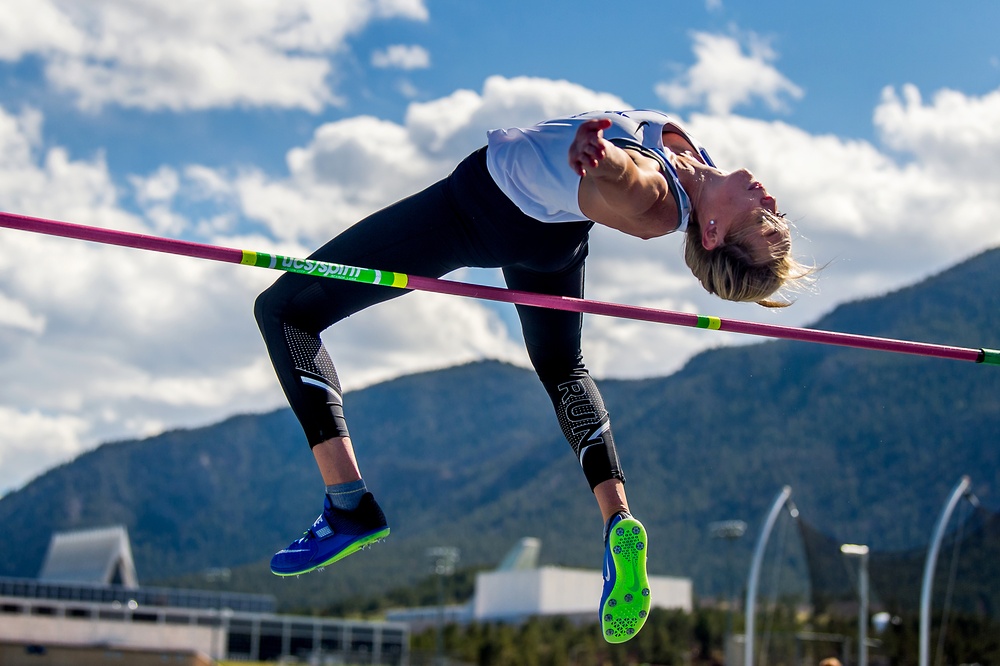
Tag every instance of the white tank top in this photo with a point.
(531, 165)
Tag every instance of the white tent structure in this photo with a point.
(101, 556)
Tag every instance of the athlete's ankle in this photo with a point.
(346, 496)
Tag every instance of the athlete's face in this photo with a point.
(735, 194)
(737, 202)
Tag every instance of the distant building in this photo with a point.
(102, 556)
(87, 603)
(519, 589)
(548, 591)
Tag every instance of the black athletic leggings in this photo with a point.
(463, 220)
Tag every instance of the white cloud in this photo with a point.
(35, 26)
(88, 330)
(31, 441)
(17, 315)
(50, 184)
(187, 54)
(724, 77)
(402, 56)
(160, 187)
(954, 131)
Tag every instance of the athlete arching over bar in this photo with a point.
(526, 203)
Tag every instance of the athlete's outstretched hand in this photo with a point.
(589, 147)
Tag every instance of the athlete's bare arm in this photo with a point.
(619, 188)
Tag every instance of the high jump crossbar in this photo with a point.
(383, 278)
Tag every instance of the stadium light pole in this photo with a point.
(861, 552)
(730, 530)
(444, 559)
(961, 490)
(758, 558)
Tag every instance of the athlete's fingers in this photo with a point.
(585, 159)
(597, 124)
(587, 149)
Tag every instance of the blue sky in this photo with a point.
(276, 125)
(842, 55)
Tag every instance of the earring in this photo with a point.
(711, 221)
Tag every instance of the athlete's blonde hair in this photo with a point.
(731, 271)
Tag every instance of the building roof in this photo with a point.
(102, 555)
(524, 555)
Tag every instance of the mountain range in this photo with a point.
(472, 456)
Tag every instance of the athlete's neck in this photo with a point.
(693, 175)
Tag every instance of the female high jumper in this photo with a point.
(526, 203)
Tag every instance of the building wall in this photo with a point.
(501, 594)
(557, 591)
(41, 630)
(115, 628)
(14, 654)
(568, 591)
(672, 593)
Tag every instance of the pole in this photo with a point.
(863, 612)
(961, 490)
(730, 530)
(444, 559)
(861, 552)
(402, 281)
(758, 558)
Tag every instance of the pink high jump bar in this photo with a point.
(236, 256)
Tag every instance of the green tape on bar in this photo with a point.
(325, 269)
(991, 356)
(262, 259)
(713, 323)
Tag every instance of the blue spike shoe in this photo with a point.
(625, 601)
(335, 535)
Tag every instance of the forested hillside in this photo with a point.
(471, 456)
